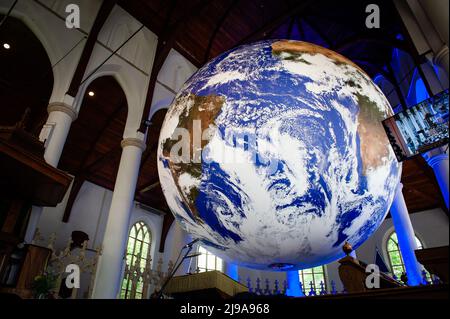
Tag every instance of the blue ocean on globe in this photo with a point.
(273, 155)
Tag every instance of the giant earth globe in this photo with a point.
(273, 155)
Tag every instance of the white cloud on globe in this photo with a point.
(315, 171)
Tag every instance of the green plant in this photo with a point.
(43, 285)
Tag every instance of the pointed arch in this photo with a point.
(137, 254)
(394, 254)
(26, 77)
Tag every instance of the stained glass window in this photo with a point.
(139, 242)
(313, 276)
(207, 261)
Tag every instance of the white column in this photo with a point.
(60, 117)
(437, 13)
(109, 269)
(441, 58)
(439, 163)
(406, 237)
(33, 220)
(293, 284)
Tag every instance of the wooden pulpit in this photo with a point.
(204, 285)
(353, 276)
(435, 260)
(25, 180)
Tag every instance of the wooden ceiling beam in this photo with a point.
(301, 32)
(421, 194)
(76, 186)
(377, 68)
(217, 28)
(152, 147)
(370, 37)
(101, 181)
(316, 29)
(397, 87)
(148, 186)
(418, 179)
(428, 171)
(165, 43)
(148, 151)
(290, 28)
(103, 13)
(167, 222)
(101, 132)
(101, 159)
(273, 24)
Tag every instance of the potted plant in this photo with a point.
(43, 286)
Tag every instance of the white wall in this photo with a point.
(89, 214)
(175, 71)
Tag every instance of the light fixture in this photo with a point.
(91, 93)
(6, 46)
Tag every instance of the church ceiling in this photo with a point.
(201, 30)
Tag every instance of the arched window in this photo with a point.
(139, 242)
(207, 261)
(313, 276)
(395, 257)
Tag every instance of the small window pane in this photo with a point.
(308, 278)
(392, 245)
(395, 258)
(207, 261)
(202, 261)
(137, 250)
(313, 276)
(211, 262)
(319, 278)
(219, 264)
(133, 232)
(145, 248)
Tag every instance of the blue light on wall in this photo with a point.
(232, 271)
(421, 91)
(293, 284)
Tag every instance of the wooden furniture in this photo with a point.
(353, 276)
(209, 285)
(25, 180)
(24, 174)
(19, 277)
(435, 260)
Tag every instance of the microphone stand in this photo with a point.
(170, 276)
